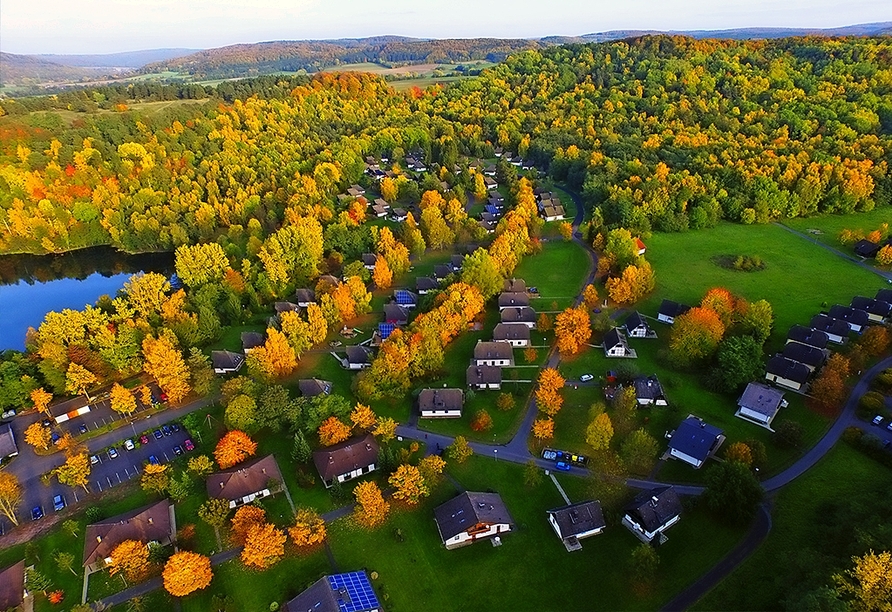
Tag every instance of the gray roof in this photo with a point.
(394, 313)
(695, 437)
(830, 325)
(7, 442)
(808, 355)
(578, 518)
(787, 368)
(462, 513)
(761, 398)
(514, 285)
(511, 331)
(352, 454)
(440, 399)
(351, 592)
(358, 354)
(493, 350)
(226, 360)
(12, 586)
(806, 335)
(244, 480)
(305, 295)
(311, 387)
(251, 340)
(648, 387)
(483, 374)
(514, 299)
(443, 270)
(653, 509)
(369, 259)
(285, 307)
(524, 314)
(672, 309)
(457, 261)
(426, 283)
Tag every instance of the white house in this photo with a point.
(472, 517)
(694, 441)
(493, 354)
(577, 521)
(615, 345)
(440, 403)
(515, 334)
(348, 460)
(226, 362)
(760, 404)
(484, 377)
(637, 327)
(652, 513)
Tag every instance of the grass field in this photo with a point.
(830, 226)
(558, 271)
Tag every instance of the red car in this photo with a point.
(144, 439)
(187, 444)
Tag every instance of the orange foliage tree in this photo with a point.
(186, 572)
(264, 546)
(165, 363)
(332, 431)
(548, 397)
(409, 484)
(482, 421)
(828, 390)
(543, 429)
(130, 558)
(590, 296)
(38, 436)
(695, 335)
(720, 301)
(572, 330)
(245, 518)
(233, 448)
(41, 399)
(371, 509)
(382, 275)
(309, 528)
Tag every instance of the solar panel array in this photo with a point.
(403, 298)
(385, 329)
(492, 209)
(360, 593)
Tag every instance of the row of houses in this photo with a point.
(549, 204)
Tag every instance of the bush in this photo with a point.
(872, 401)
(788, 434)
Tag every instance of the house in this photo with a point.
(807, 336)
(615, 345)
(326, 284)
(311, 387)
(514, 285)
(484, 377)
(524, 315)
(787, 373)
(652, 513)
(12, 587)
(226, 362)
(649, 391)
(642, 249)
(857, 320)
(884, 295)
(396, 314)
(471, 517)
(8, 447)
(694, 441)
(577, 521)
(355, 191)
(358, 358)
(488, 226)
(490, 183)
(497, 151)
(380, 210)
(637, 327)
(513, 300)
(152, 523)
(305, 297)
(351, 592)
(382, 333)
(250, 341)
(405, 298)
(369, 260)
(493, 354)
(457, 262)
(760, 404)
(441, 403)
(497, 199)
(877, 310)
(488, 217)
(808, 356)
(515, 334)
(441, 271)
(837, 331)
(398, 215)
(243, 484)
(489, 170)
(285, 307)
(553, 213)
(669, 310)
(347, 460)
(866, 248)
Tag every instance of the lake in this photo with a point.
(33, 285)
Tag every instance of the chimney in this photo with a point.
(151, 521)
(99, 538)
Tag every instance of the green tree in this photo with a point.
(480, 270)
(645, 562)
(640, 451)
(300, 449)
(740, 360)
(599, 432)
(732, 492)
(214, 512)
(200, 264)
(532, 475)
(241, 414)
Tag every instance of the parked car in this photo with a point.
(154, 460)
(58, 503)
(563, 466)
(55, 437)
(82, 428)
(129, 445)
(94, 459)
(889, 426)
(157, 433)
(188, 445)
(165, 429)
(162, 396)
(112, 453)
(877, 420)
(46, 422)
(174, 427)
(177, 451)
(144, 439)
(586, 378)
(36, 513)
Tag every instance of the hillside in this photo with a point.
(864, 29)
(32, 70)
(126, 59)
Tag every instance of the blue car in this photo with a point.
(562, 466)
(154, 460)
(36, 513)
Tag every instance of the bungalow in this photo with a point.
(649, 391)
(642, 249)
(808, 356)
(514, 285)
(515, 334)
(405, 298)
(837, 331)
(351, 592)
(8, 447)
(669, 310)
(398, 215)
(652, 513)
(326, 283)
(553, 213)
(369, 260)
(807, 336)
(489, 170)
(382, 203)
(488, 217)
(694, 441)
(251, 341)
(380, 211)
(866, 248)
(857, 320)
(497, 198)
(311, 387)
(516, 161)
(355, 191)
(471, 517)
(358, 358)
(877, 310)
(493, 354)
(457, 262)
(426, 284)
(441, 403)
(488, 226)
(577, 521)
(12, 587)
(484, 377)
(513, 300)
(441, 271)
(497, 151)
(285, 307)
(396, 314)
(787, 373)
(490, 183)
(884, 295)
(226, 362)
(615, 345)
(760, 404)
(637, 327)
(347, 460)
(305, 297)
(524, 315)
(152, 523)
(243, 484)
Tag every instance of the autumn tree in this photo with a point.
(385, 429)
(757, 320)
(214, 512)
(38, 436)
(740, 452)
(548, 398)
(264, 546)
(621, 247)
(482, 421)
(130, 558)
(867, 587)
(828, 390)
(78, 378)
(75, 472)
(480, 269)
(371, 509)
(566, 230)
(634, 283)
(590, 297)
(543, 323)
(332, 431)
(233, 448)
(884, 255)
(572, 329)
(720, 301)
(409, 484)
(388, 189)
(274, 359)
(431, 467)
(122, 400)
(543, 429)
(10, 495)
(640, 451)
(599, 432)
(363, 417)
(309, 528)
(186, 572)
(505, 401)
(530, 354)
(200, 465)
(459, 451)
(200, 264)
(245, 518)
(241, 413)
(165, 363)
(41, 400)
(382, 275)
(695, 335)
(155, 478)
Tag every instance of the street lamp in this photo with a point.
(495, 453)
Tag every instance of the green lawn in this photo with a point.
(830, 226)
(558, 271)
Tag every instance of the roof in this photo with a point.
(648, 387)
(653, 509)
(806, 335)
(782, 367)
(830, 325)
(635, 320)
(884, 295)
(354, 453)
(866, 248)
(441, 399)
(394, 313)
(285, 307)
(672, 309)
(694, 437)
(146, 524)
(311, 387)
(399, 212)
(850, 315)
(554, 211)
(443, 270)
(511, 331)
(251, 340)
(493, 350)
(426, 283)
(12, 586)
(639, 244)
(808, 355)
(385, 329)
(578, 518)
(761, 398)
(514, 299)
(483, 374)
(244, 480)
(405, 297)
(358, 354)
(524, 314)
(514, 285)
(7, 442)
(877, 307)
(305, 295)
(226, 360)
(369, 259)
(468, 509)
(614, 338)
(351, 592)
(457, 261)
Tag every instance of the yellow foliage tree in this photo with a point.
(389, 189)
(78, 378)
(165, 363)
(385, 429)
(459, 451)
(122, 400)
(275, 359)
(572, 329)
(41, 400)
(431, 467)
(264, 546)
(130, 558)
(590, 296)
(868, 583)
(332, 431)
(309, 528)
(38, 436)
(10, 495)
(371, 509)
(362, 417)
(884, 255)
(382, 275)
(543, 429)
(599, 432)
(75, 472)
(739, 452)
(186, 572)
(233, 448)
(409, 483)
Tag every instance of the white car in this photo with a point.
(586, 378)
(129, 445)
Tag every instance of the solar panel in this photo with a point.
(385, 329)
(359, 593)
(403, 297)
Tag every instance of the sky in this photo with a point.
(108, 26)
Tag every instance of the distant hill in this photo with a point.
(127, 59)
(31, 70)
(865, 29)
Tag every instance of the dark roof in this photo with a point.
(358, 354)
(514, 299)
(806, 335)
(866, 248)
(511, 331)
(808, 355)
(885, 295)
(311, 387)
(244, 479)
(12, 586)
(369, 259)
(426, 283)
(672, 309)
(404, 297)
(351, 592)
(830, 325)
(613, 338)
(518, 315)
(457, 261)
(468, 509)
(251, 340)
(578, 518)
(653, 509)
(493, 350)
(648, 387)
(483, 374)
(285, 307)
(514, 285)
(849, 315)
(357, 452)
(226, 360)
(394, 313)
(305, 295)
(7, 442)
(440, 399)
(146, 524)
(787, 368)
(694, 437)
(877, 307)
(761, 398)
(635, 320)
(442, 270)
